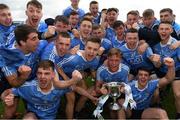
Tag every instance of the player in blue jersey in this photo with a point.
(84, 59)
(119, 38)
(164, 50)
(58, 49)
(166, 14)
(6, 26)
(94, 10)
(74, 7)
(74, 20)
(84, 32)
(26, 52)
(132, 18)
(113, 71)
(143, 89)
(42, 97)
(111, 16)
(34, 15)
(131, 55)
(106, 45)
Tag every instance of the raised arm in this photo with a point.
(169, 62)
(16, 80)
(76, 76)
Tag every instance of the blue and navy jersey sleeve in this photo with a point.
(106, 44)
(98, 74)
(48, 53)
(149, 52)
(8, 71)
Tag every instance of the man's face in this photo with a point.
(61, 27)
(85, 29)
(131, 19)
(34, 15)
(113, 63)
(32, 42)
(148, 21)
(166, 16)
(75, 2)
(98, 33)
(165, 31)
(131, 40)
(120, 30)
(91, 50)
(62, 45)
(143, 78)
(45, 77)
(111, 17)
(94, 9)
(73, 19)
(5, 17)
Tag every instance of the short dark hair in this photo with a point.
(64, 34)
(86, 19)
(94, 40)
(114, 51)
(35, 3)
(131, 30)
(95, 27)
(61, 18)
(93, 2)
(148, 13)
(117, 24)
(22, 31)
(144, 69)
(133, 12)
(166, 10)
(165, 22)
(112, 9)
(3, 6)
(46, 64)
(73, 13)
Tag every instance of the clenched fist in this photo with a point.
(156, 58)
(76, 75)
(169, 62)
(24, 70)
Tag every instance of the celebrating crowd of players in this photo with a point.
(41, 62)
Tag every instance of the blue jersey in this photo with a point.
(10, 60)
(142, 97)
(30, 59)
(44, 105)
(77, 62)
(117, 43)
(75, 42)
(165, 51)
(121, 75)
(51, 54)
(110, 33)
(136, 60)
(42, 27)
(106, 44)
(176, 28)
(68, 10)
(4, 33)
(96, 20)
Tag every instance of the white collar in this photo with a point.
(136, 85)
(45, 93)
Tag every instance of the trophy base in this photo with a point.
(114, 106)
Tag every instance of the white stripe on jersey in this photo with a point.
(65, 61)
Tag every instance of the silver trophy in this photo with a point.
(114, 92)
